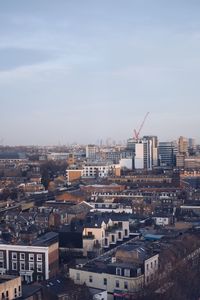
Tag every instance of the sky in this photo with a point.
(80, 71)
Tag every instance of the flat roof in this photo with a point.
(46, 239)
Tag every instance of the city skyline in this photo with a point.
(82, 71)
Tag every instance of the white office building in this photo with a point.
(143, 155)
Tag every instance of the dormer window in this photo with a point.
(127, 272)
(118, 271)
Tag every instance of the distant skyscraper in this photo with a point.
(91, 152)
(167, 153)
(192, 143)
(154, 148)
(131, 144)
(143, 155)
(183, 145)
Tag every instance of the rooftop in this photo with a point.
(46, 239)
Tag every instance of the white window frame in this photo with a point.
(39, 267)
(31, 266)
(22, 264)
(39, 257)
(31, 257)
(22, 255)
(1, 254)
(118, 271)
(127, 272)
(14, 263)
(14, 255)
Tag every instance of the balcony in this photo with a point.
(89, 237)
(114, 228)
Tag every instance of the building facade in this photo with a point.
(35, 262)
(143, 155)
(10, 287)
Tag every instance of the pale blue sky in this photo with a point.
(85, 70)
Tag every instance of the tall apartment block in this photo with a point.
(143, 155)
(154, 148)
(167, 153)
(183, 145)
(91, 152)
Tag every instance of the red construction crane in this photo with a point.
(137, 133)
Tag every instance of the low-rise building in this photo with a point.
(163, 220)
(105, 231)
(92, 170)
(38, 261)
(122, 275)
(10, 287)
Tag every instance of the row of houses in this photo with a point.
(126, 271)
(122, 273)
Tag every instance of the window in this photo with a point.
(105, 281)
(126, 285)
(22, 266)
(39, 267)
(147, 267)
(31, 257)
(22, 256)
(1, 254)
(118, 271)
(1, 264)
(151, 264)
(113, 238)
(19, 289)
(14, 266)
(127, 272)
(15, 292)
(77, 276)
(90, 279)
(126, 232)
(139, 272)
(117, 283)
(31, 266)
(39, 277)
(14, 255)
(119, 235)
(39, 257)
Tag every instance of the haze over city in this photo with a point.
(84, 70)
(99, 149)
